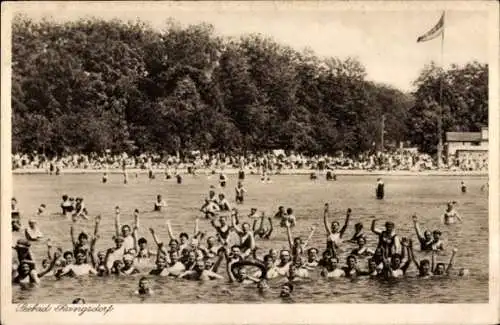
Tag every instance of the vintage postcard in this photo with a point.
(250, 162)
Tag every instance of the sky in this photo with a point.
(382, 39)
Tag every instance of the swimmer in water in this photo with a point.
(223, 229)
(441, 269)
(451, 216)
(463, 187)
(84, 243)
(397, 265)
(223, 203)
(247, 239)
(253, 214)
(332, 269)
(424, 266)
(312, 258)
(105, 178)
(286, 292)
(200, 272)
(159, 203)
(334, 234)
(379, 191)
(297, 246)
(373, 271)
(41, 210)
(144, 287)
(80, 210)
(222, 180)
(124, 172)
(362, 250)
(288, 218)
(281, 213)
(358, 233)
(240, 193)
(437, 243)
(26, 274)
(79, 268)
(426, 239)
(388, 239)
(33, 232)
(124, 231)
(66, 205)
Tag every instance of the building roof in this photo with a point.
(463, 136)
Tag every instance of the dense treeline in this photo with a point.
(92, 85)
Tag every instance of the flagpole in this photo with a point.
(440, 110)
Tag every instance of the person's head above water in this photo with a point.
(126, 231)
(286, 290)
(424, 267)
(389, 226)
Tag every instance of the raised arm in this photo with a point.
(229, 270)
(347, 218)
(158, 242)
(96, 232)
(450, 263)
(196, 226)
(373, 229)
(238, 230)
(325, 219)
(49, 249)
(412, 255)
(117, 221)
(169, 230)
(313, 228)
(417, 228)
(236, 216)
(72, 235)
(254, 225)
(218, 262)
(405, 255)
(289, 235)
(268, 234)
(433, 261)
(49, 268)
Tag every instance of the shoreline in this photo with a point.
(234, 171)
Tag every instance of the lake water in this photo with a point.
(406, 195)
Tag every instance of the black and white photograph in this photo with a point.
(249, 154)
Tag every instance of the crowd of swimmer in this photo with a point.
(201, 257)
(277, 161)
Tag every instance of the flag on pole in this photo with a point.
(436, 31)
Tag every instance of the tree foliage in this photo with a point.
(462, 94)
(91, 85)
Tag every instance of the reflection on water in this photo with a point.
(425, 196)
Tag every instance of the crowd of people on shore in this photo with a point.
(234, 250)
(275, 161)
